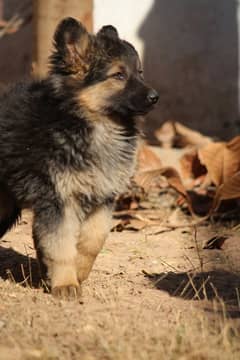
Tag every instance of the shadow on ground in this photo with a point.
(19, 268)
(219, 285)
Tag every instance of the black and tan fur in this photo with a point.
(68, 146)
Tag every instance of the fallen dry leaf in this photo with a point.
(191, 167)
(201, 204)
(174, 134)
(129, 200)
(215, 242)
(147, 179)
(129, 221)
(229, 190)
(147, 159)
(136, 225)
(166, 134)
(222, 160)
(212, 156)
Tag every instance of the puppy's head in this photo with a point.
(102, 72)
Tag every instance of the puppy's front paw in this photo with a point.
(67, 292)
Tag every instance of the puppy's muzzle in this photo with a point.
(152, 97)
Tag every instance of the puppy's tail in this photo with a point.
(10, 213)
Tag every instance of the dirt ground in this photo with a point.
(153, 294)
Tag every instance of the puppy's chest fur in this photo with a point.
(109, 162)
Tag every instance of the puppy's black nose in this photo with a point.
(152, 96)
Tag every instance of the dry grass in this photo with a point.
(107, 334)
(198, 338)
(177, 314)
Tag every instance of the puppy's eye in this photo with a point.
(140, 72)
(119, 76)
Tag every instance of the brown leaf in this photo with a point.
(147, 179)
(186, 136)
(229, 190)
(174, 180)
(166, 134)
(201, 204)
(212, 156)
(222, 160)
(119, 224)
(191, 167)
(136, 225)
(147, 159)
(128, 222)
(128, 200)
(174, 134)
(215, 242)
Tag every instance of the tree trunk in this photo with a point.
(47, 14)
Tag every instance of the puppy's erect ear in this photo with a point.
(109, 31)
(73, 47)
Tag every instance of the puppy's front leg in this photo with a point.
(55, 233)
(92, 237)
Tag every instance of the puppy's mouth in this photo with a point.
(145, 110)
(149, 104)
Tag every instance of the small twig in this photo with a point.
(190, 262)
(184, 289)
(135, 214)
(203, 287)
(12, 25)
(196, 295)
(147, 221)
(197, 248)
(238, 297)
(169, 265)
(170, 227)
(25, 278)
(125, 212)
(16, 21)
(45, 286)
(10, 275)
(29, 265)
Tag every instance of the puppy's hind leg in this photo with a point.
(55, 233)
(9, 210)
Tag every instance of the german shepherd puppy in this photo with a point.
(68, 147)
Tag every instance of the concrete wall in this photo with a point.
(49, 14)
(189, 50)
(15, 49)
(126, 15)
(30, 46)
